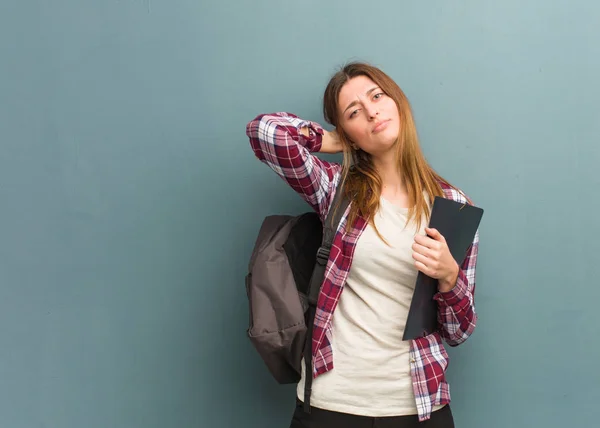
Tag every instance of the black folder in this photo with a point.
(458, 223)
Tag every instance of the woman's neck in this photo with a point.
(392, 185)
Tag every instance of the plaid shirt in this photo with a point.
(276, 141)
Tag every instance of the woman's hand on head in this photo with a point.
(331, 143)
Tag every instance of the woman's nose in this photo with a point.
(372, 111)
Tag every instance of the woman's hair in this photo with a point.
(362, 183)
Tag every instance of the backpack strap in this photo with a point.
(334, 216)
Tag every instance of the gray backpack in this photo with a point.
(284, 278)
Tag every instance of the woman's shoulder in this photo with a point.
(454, 193)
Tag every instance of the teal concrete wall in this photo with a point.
(130, 199)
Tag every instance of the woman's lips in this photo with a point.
(381, 126)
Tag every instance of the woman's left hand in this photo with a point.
(432, 257)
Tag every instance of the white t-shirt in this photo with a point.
(371, 374)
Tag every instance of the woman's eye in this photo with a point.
(379, 95)
(353, 114)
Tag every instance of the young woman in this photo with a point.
(364, 374)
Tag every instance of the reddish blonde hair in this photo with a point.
(362, 183)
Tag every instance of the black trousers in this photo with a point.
(319, 418)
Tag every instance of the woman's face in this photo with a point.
(369, 117)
